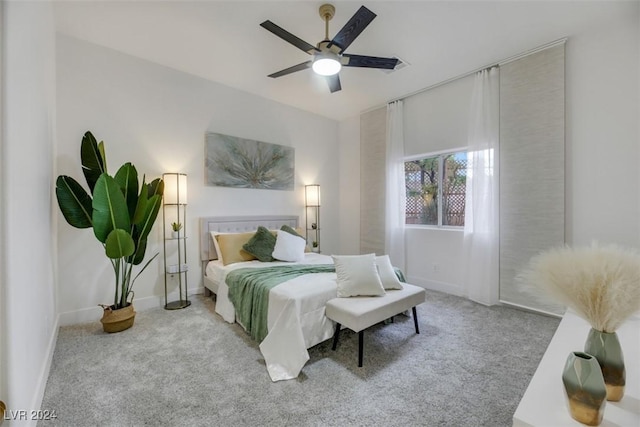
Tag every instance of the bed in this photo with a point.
(295, 315)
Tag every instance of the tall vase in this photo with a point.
(605, 347)
(585, 388)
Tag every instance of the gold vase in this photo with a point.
(605, 347)
(585, 388)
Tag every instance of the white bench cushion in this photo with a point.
(358, 313)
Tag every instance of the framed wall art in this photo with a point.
(245, 163)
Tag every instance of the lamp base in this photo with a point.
(177, 305)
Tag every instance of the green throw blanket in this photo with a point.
(249, 292)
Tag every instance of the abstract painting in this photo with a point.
(244, 163)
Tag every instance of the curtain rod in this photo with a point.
(461, 76)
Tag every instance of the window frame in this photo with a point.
(440, 154)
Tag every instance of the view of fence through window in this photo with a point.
(434, 181)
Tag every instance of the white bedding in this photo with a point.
(296, 319)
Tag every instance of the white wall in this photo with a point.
(29, 325)
(156, 118)
(435, 259)
(602, 136)
(602, 149)
(3, 330)
(349, 158)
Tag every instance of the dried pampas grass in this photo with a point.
(602, 284)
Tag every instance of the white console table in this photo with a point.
(544, 402)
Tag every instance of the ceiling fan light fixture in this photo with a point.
(326, 65)
(328, 56)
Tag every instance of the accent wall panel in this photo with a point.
(373, 152)
(532, 202)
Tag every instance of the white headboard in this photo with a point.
(237, 224)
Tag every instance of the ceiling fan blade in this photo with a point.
(299, 67)
(288, 37)
(370, 62)
(334, 83)
(353, 28)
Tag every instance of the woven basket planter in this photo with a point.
(117, 320)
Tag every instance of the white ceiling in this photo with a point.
(223, 42)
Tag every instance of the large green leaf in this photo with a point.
(103, 155)
(143, 197)
(127, 179)
(150, 214)
(149, 202)
(119, 244)
(74, 202)
(92, 157)
(143, 228)
(109, 208)
(156, 187)
(141, 248)
(141, 207)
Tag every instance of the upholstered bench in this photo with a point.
(358, 313)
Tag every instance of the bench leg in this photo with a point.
(415, 320)
(360, 347)
(335, 336)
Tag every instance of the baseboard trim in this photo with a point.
(197, 291)
(46, 369)
(434, 285)
(531, 310)
(93, 314)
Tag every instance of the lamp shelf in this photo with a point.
(312, 214)
(173, 269)
(174, 210)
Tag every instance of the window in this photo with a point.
(435, 189)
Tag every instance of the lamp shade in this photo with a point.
(175, 188)
(312, 195)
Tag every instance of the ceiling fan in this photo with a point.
(328, 55)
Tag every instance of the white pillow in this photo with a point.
(357, 275)
(289, 247)
(387, 274)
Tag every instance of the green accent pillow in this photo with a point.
(261, 245)
(290, 230)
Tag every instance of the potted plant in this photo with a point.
(602, 285)
(121, 214)
(176, 227)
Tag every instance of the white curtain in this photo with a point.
(395, 203)
(481, 221)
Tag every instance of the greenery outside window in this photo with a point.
(436, 189)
